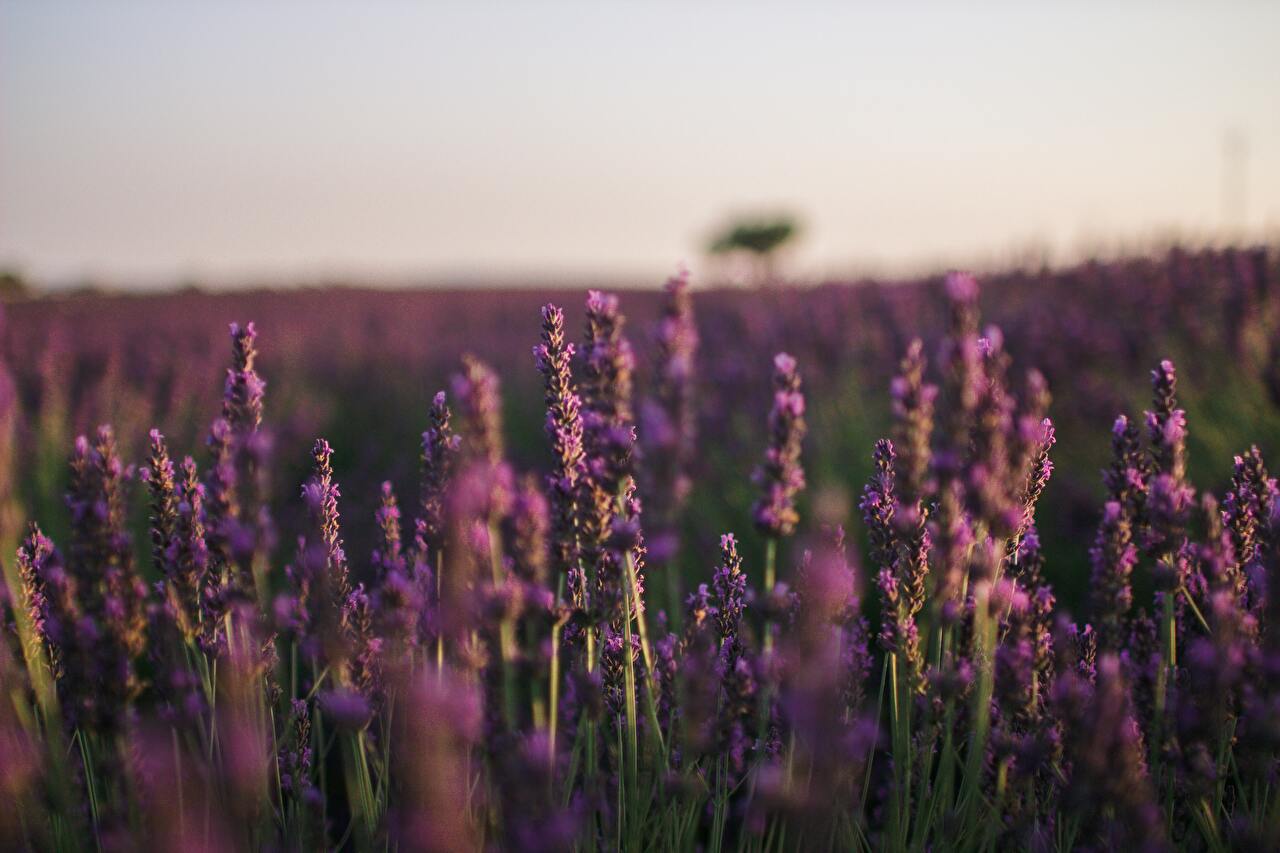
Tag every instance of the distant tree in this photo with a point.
(759, 239)
(13, 286)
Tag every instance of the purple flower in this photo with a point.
(388, 555)
(318, 609)
(1113, 557)
(1129, 473)
(49, 594)
(242, 400)
(194, 587)
(607, 362)
(913, 402)
(221, 508)
(898, 605)
(609, 440)
(366, 665)
(780, 476)
(321, 497)
(399, 606)
(878, 504)
(668, 420)
(439, 446)
(729, 587)
(564, 429)
(961, 361)
(525, 531)
(164, 502)
(112, 631)
(238, 526)
(480, 402)
(295, 754)
(1039, 470)
(1168, 504)
(1246, 509)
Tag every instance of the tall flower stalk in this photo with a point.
(780, 475)
(668, 428)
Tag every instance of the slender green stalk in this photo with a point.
(553, 712)
(901, 737)
(770, 564)
(506, 630)
(359, 787)
(631, 744)
(984, 629)
(770, 580)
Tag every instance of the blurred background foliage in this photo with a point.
(359, 368)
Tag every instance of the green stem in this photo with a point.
(770, 564)
(506, 630)
(984, 640)
(631, 744)
(553, 712)
(766, 695)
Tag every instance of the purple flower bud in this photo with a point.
(476, 390)
(781, 476)
(564, 429)
(668, 420)
(439, 446)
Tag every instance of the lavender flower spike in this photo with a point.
(439, 447)
(1167, 424)
(1127, 477)
(189, 554)
(913, 401)
(101, 562)
(609, 440)
(564, 429)
(242, 402)
(476, 389)
(1037, 477)
(898, 632)
(607, 362)
(159, 476)
(729, 585)
(781, 476)
(1113, 557)
(878, 505)
(321, 494)
(668, 419)
(37, 559)
(1246, 509)
(239, 527)
(398, 600)
(388, 555)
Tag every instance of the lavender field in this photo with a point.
(944, 564)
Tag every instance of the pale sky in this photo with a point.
(148, 142)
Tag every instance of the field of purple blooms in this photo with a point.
(750, 571)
